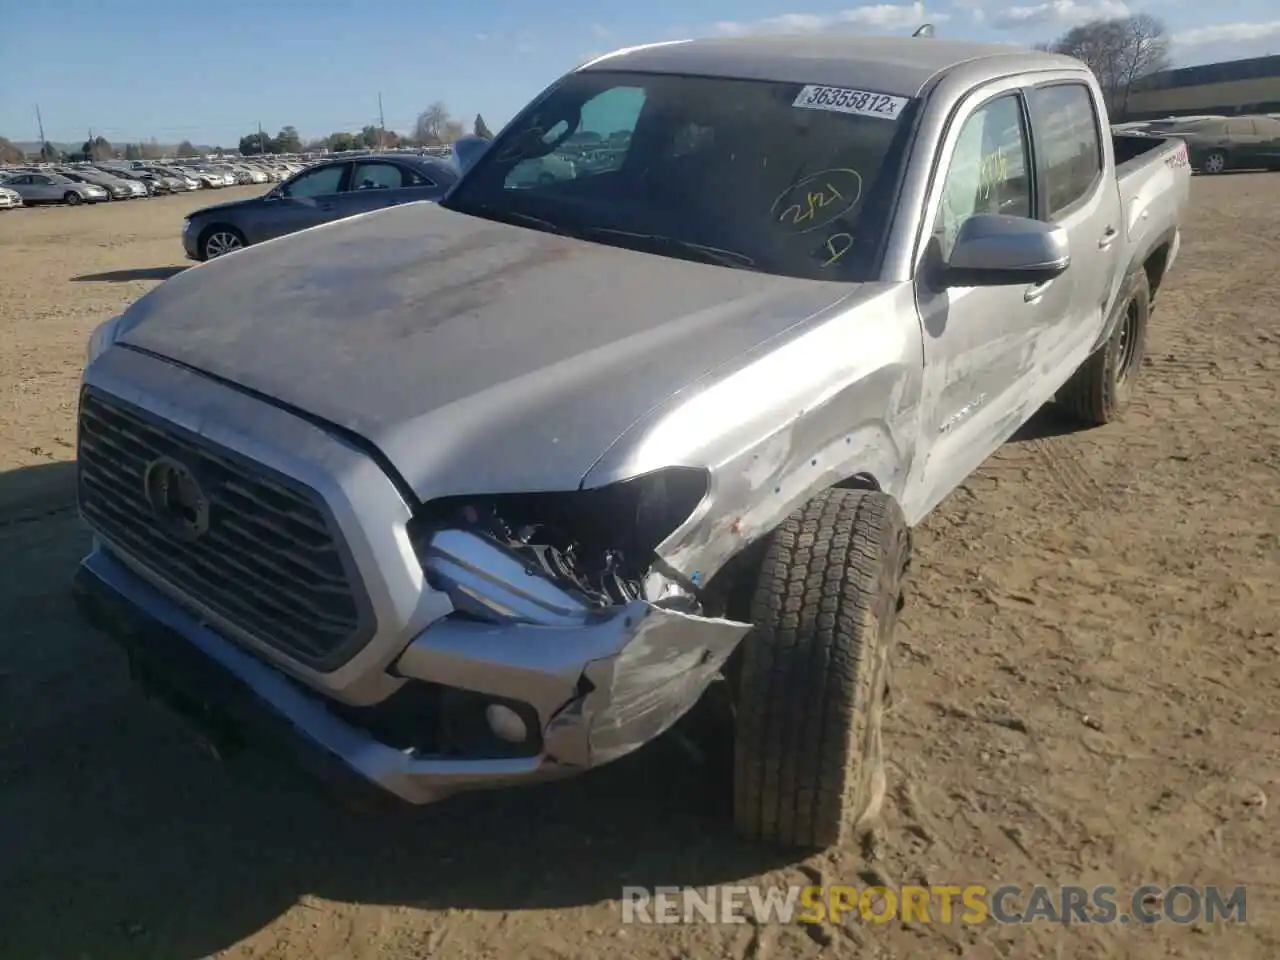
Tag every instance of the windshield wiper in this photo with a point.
(725, 258)
(515, 216)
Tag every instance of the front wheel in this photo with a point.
(808, 762)
(71, 197)
(1102, 388)
(219, 240)
(1215, 162)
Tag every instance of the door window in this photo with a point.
(377, 176)
(1067, 134)
(316, 183)
(988, 172)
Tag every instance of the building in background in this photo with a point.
(1227, 88)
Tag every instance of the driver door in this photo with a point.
(978, 341)
(308, 200)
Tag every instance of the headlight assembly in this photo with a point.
(554, 558)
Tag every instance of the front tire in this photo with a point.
(71, 198)
(808, 762)
(1099, 392)
(218, 240)
(1214, 162)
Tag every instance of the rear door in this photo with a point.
(1268, 130)
(308, 200)
(376, 184)
(1078, 192)
(1244, 143)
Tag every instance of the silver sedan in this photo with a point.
(54, 188)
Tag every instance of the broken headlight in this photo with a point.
(554, 558)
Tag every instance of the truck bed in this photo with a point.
(1154, 176)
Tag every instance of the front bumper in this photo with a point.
(619, 683)
(190, 239)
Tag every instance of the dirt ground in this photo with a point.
(1088, 689)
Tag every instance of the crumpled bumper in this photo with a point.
(598, 690)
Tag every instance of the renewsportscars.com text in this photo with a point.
(970, 904)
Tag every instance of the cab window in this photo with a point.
(987, 172)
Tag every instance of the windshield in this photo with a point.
(728, 171)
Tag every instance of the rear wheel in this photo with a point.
(218, 240)
(814, 676)
(1215, 162)
(71, 197)
(1101, 389)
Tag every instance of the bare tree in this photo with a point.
(1119, 51)
(429, 128)
(1146, 51)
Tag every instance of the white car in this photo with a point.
(540, 171)
(9, 199)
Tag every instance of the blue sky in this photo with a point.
(209, 72)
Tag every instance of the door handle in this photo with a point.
(1035, 291)
(1108, 238)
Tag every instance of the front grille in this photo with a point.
(268, 561)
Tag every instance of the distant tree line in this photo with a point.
(433, 127)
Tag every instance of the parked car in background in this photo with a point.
(154, 184)
(51, 187)
(9, 199)
(1218, 144)
(208, 177)
(491, 491)
(541, 171)
(117, 187)
(182, 179)
(321, 194)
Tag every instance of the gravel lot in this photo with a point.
(1089, 688)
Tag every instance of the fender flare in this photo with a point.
(1137, 264)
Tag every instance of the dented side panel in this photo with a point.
(836, 399)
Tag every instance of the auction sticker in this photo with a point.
(844, 100)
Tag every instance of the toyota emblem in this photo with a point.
(179, 504)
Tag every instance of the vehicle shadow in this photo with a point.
(1047, 422)
(124, 276)
(123, 839)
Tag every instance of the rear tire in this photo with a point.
(1214, 162)
(72, 198)
(808, 760)
(1099, 392)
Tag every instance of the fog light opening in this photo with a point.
(505, 723)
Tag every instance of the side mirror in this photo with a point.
(992, 249)
(275, 193)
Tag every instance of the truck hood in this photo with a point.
(478, 357)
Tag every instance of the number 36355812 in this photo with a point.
(845, 100)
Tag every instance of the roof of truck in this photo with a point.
(895, 65)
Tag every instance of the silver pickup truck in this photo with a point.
(456, 496)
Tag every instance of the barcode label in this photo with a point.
(844, 100)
